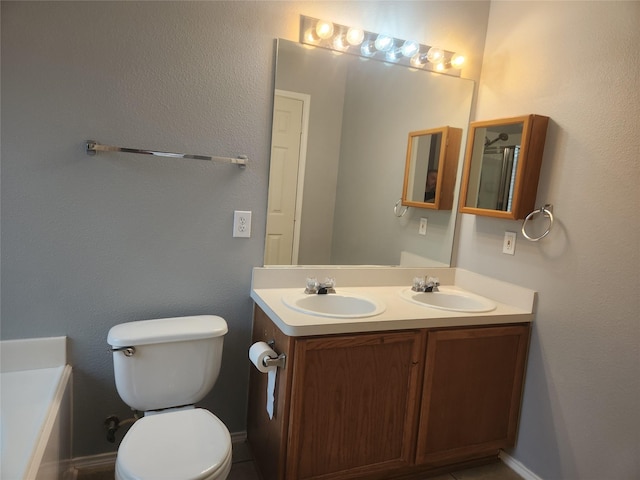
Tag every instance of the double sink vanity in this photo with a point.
(381, 381)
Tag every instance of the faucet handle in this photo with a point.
(418, 284)
(433, 282)
(329, 282)
(312, 285)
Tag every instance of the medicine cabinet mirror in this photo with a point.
(431, 167)
(502, 166)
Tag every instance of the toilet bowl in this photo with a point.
(163, 367)
(187, 445)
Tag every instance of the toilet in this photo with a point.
(163, 367)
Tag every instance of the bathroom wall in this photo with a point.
(89, 242)
(578, 63)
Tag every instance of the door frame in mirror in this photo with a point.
(447, 168)
(534, 130)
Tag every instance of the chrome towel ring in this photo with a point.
(399, 211)
(547, 212)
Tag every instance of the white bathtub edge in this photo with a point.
(32, 353)
(49, 455)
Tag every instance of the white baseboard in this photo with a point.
(517, 467)
(108, 460)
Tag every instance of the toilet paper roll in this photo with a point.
(257, 353)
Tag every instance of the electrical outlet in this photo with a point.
(241, 223)
(422, 230)
(509, 245)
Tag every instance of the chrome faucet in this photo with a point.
(320, 288)
(425, 284)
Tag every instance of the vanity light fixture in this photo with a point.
(379, 46)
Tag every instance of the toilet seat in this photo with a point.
(186, 445)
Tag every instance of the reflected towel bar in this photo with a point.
(92, 147)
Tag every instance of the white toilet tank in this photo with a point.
(175, 361)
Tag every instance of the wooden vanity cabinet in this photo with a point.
(386, 405)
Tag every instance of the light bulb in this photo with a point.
(392, 55)
(355, 36)
(440, 67)
(367, 49)
(340, 43)
(435, 55)
(310, 36)
(409, 48)
(418, 60)
(324, 29)
(457, 60)
(384, 43)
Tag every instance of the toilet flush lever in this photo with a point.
(128, 351)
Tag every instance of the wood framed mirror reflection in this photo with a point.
(431, 167)
(347, 173)
(502, 166)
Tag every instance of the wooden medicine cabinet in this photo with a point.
(431, 167)
(502, 166)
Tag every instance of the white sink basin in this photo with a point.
(450, 298)
(335, 305)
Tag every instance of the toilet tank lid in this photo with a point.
(163, 330)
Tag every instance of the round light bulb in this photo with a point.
(384, 43)
(457, 60)
(355, 36)
(435, 55)
(340, 43)
(392, 55)
(324, 29)
(367, 49)
(409, 48)
(310, 36)
(418, 60)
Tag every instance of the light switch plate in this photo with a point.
(422, 230)
(509, 245)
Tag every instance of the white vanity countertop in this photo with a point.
(514, 304)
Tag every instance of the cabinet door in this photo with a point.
(471, 393)
(353, 404)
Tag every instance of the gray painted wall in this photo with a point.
(578, 63)
(89, 242)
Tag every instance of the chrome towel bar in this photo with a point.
(92, 147)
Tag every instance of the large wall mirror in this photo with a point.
(339, 143)
(502, 166)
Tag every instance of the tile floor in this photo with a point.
(496, 471)
(243, 469)
(246, 471)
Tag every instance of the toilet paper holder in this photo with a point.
(279, 361)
